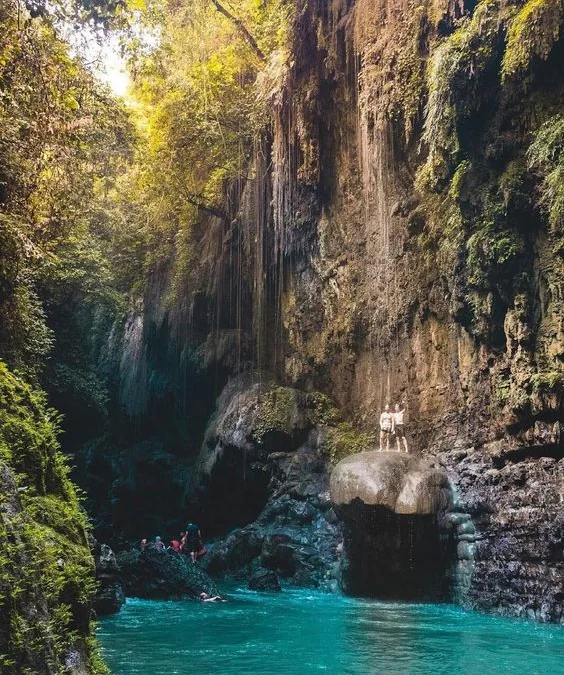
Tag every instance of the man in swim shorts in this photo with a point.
(386, 423)
(399, 428)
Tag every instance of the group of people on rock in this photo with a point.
(189, 543)
(392, 424)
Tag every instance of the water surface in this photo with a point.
(302, 632)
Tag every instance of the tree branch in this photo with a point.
(242, 29)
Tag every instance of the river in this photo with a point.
(301, 632)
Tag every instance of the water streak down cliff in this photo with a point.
(390, 242)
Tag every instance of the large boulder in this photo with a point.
(158, 574)
(397, 541)
(402, 483)
(256, 426)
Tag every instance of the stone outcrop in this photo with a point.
(163, 575)
(399, 482)
(398, 542)
(109, 597)
(265, 449)
(513, 532)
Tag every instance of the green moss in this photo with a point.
(323, 409)
(547, 382)
(546, 156)
(488, 249)
(276, 412)
(46, 571)
(344, 440)
(451, 74)
(532, 33)
(457, 181)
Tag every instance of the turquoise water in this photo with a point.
(302, 632)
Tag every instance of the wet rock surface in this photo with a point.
(397, 543)
(163, 575)
(268, 434)
(297, 533)
(110, 597)
(514, 542)
(264, 580)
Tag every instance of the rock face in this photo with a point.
(256, 425)
(401, 238)
(109, 597)
(514, 540)
(264, 462)
(264, 580)
(163, 575)
(397, 539)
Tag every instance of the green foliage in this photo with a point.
(63, 141)
(341, 437)
(344, 440)
(455, 65)
(547, 382)
(489, 249)
(531, 34)
(323, 409)
(202, 96)
(277, 409)
(46, 570)
(546, 155)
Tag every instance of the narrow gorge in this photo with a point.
(311, 210)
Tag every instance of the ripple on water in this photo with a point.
(303, 633)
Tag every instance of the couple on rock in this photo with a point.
(391, 423)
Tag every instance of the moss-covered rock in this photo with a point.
(46, 569)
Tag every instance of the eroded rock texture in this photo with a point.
(398, 238)
(515, 539)
(109, 597)
(156, 574)
(264, 450)
(398, 542)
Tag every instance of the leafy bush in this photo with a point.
(46, 570)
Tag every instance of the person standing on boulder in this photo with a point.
(192, 543)
(398, 427)
(386, 424)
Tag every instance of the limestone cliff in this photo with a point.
(400, 238)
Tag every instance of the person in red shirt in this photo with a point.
(174, 546)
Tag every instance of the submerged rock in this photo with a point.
(264, 580)
(158, 574)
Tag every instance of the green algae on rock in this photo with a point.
(46, 569)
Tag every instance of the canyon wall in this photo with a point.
(399, 237)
